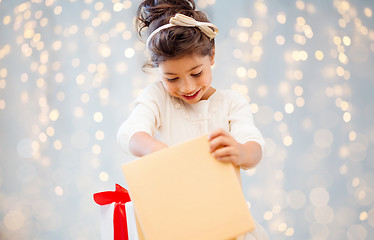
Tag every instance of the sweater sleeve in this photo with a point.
(241, 122)
(145, 116)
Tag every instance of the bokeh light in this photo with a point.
(70, 70)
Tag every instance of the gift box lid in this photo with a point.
(183, 192)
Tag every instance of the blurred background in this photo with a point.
(69, 71)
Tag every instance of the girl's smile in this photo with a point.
(188, 78)
(191, 96)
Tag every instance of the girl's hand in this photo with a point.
(226, 149)
(142, 144)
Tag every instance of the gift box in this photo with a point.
(183, 192)
(118, 221)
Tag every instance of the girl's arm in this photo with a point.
(225, 148)
(141, 144)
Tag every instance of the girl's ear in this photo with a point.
(212, 56)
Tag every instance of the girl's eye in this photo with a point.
(172, 79)
(197, 74)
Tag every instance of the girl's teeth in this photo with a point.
(191, 95)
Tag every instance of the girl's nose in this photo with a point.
(187, 86)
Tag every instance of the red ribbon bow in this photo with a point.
(120, 196)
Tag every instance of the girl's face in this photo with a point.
(188, 78)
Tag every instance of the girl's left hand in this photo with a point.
(225, 148)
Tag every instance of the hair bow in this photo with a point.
(209, 29)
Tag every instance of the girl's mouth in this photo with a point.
(191, 96)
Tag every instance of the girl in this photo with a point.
(184, 105)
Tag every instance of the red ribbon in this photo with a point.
(120, 196)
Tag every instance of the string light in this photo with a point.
(69, 71)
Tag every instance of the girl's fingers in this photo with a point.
(225, 152)
(216, 133)
(223, 147)
(219, 142)
(226, 159)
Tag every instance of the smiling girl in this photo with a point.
(184, 105)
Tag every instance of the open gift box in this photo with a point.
(183, 192)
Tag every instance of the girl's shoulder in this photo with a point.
(156, 88)
(153, 92)
(230, 95)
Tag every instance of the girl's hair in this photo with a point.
(173, 42)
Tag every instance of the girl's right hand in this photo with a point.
(142, 144)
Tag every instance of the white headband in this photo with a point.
(209, 29)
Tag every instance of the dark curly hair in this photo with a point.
(173, 42)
